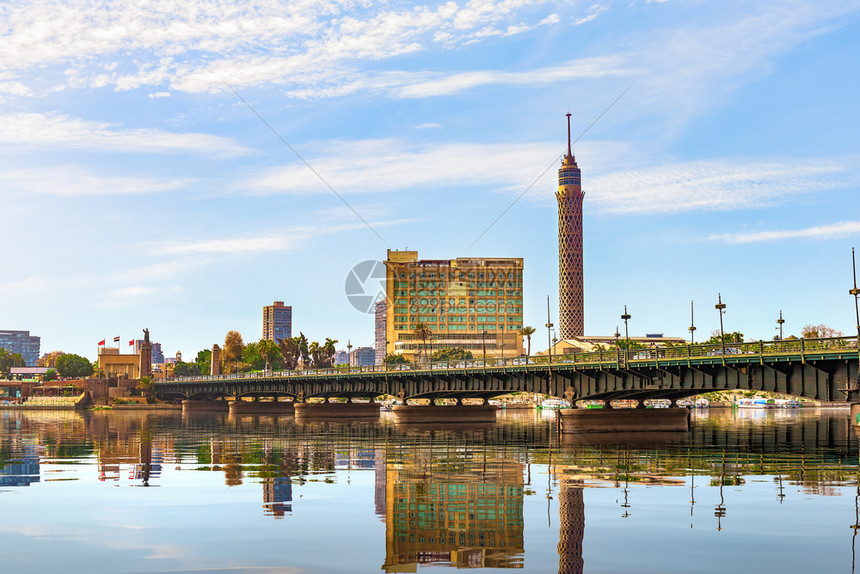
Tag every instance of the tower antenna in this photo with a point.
(569, 154)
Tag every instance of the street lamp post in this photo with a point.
(626, 317)
(692, 327)
(855, 291)
(721, 308)
(549, 334)
(484, 347)
(780, 322)
(348, 356)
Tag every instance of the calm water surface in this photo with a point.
(750, 491)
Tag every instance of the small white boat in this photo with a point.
(554, 404)
(757, 403)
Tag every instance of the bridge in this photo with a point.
(818, 369)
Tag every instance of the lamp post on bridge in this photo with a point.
(692, 327)
(484, 348)
(721, 308)
(855, 291)
(549, 335)
(348, 356)
(780, 322)
(626, 317)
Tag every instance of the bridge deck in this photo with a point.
(825, 369)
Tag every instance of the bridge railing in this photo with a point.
(603, 357)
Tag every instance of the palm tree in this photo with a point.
(527, 332)
(268, 351)
(302, 344)
(423, 332)
(329, 350)
(315, 352)
(289, 349)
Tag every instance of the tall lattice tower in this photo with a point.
(571, 298)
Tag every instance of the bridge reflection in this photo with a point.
(448, 497)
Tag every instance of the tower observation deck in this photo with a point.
(571, 293)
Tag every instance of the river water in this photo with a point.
(744, 491)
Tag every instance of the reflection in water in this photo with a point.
(22, 470)
(445, 506)
(571, 513)
(449, 497)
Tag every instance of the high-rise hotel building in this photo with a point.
(277, 321)
(472, 303)
(571, 298)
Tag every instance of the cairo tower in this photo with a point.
(571, 299)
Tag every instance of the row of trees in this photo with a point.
(265, 354)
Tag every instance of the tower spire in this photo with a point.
(569, 154)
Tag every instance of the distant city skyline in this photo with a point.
(140, 192)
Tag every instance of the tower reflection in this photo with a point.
(571, 513)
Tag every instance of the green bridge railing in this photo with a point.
(749, 352)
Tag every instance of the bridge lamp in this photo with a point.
(549, 326)
(721, 308)
(484, 346)
(617, 335)
(780, 322)
(626, 317)
(692, 327)
(855, 291)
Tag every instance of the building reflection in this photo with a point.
(571, 514)
(21, 471)
(277, 492)
(448, 509)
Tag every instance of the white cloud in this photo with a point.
(58, 130)
(829, 231)
(378, 166)
(414, 86)
(194, 46)
(428, 126)
(74, 181)
(279, 240)
(716, 185)
(27, 285)
(159, 95)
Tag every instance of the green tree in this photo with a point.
(735, 337)
(453, 354)
(631, 344)
(328, 351)
(74, 366)
(423, 332)
(203, 362)
(269, 352)
(9, 360)
(251, 356)
(181, 369)
(50, 375)
(304, 351)
(527, 332)
(392, 359)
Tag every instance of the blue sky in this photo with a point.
(138, 191)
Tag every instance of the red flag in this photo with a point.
(116, 339)
(101, 343)
(130, 343)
